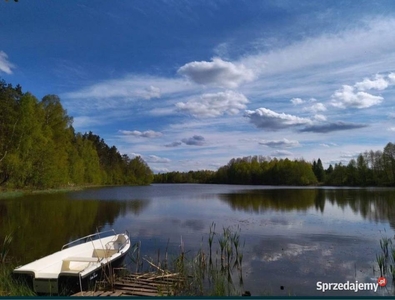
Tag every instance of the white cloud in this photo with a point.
(156, 159)
(372, 42)
(391, 77)
(133, 155)
(86, 121)
(328, 145)
(317, 107)
(391, 129)
(268, 119)
(5, 65)
(217, 72)
(131, 87)
(379, 83)
(145, 134)
(347, 97)
(284, 143)
(151, 92)
(213, 105)
(297, 101)
(159, 170)
(319, 117)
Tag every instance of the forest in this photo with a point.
(40, 149)
(371, 168)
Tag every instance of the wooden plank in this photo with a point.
(83, 293)
(137, 293)
(137, 284)
(116, 294)
(105, 294)
(126, 288)
(98, 293)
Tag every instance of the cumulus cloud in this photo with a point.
(379, 83)
(196, 140)
(284, 143)
(391, 129)
(5, 65)
(391, 78)
(268, 119)
(317, 107)
(347, 97)
(213, 105)
(297, 101)
(325, 128)
(319, 117)
(145, 134)
(156, 159)
(217, 72)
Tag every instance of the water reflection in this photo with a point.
(373, 205)
(293, 237)
(41, 224)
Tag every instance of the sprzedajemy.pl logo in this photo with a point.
(351, 286)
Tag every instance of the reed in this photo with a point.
(386, 260)
(212, 271)
(8, 285)
(5, 248)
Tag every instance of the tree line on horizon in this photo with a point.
(39, 148)
(371, 168)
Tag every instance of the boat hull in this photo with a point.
(70, 284)
(63, 273)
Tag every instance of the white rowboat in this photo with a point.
(75, 268)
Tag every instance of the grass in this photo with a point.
(8, 285)
(215, 270)
(386, 260)
(5, 193)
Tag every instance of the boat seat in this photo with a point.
(40, 275)
(77, 264)
(118, 244)
(103, 253)
(84, 259)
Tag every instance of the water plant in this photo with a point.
(8, 285)
(386, 260)
(5, 248)
(209, 272)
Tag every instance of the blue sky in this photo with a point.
(188, 85)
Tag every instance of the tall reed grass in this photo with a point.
(8, 285)
(215, 270)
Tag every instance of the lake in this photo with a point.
(293, 237)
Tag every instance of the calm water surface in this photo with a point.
(293, 237)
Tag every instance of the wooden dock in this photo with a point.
(148, 284)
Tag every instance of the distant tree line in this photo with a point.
(256, 170)
(39, 148)
(371, 168)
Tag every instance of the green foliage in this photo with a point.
(249, 170)
(318, 170)
(373, 168)
(39, 148)
(203, 176)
